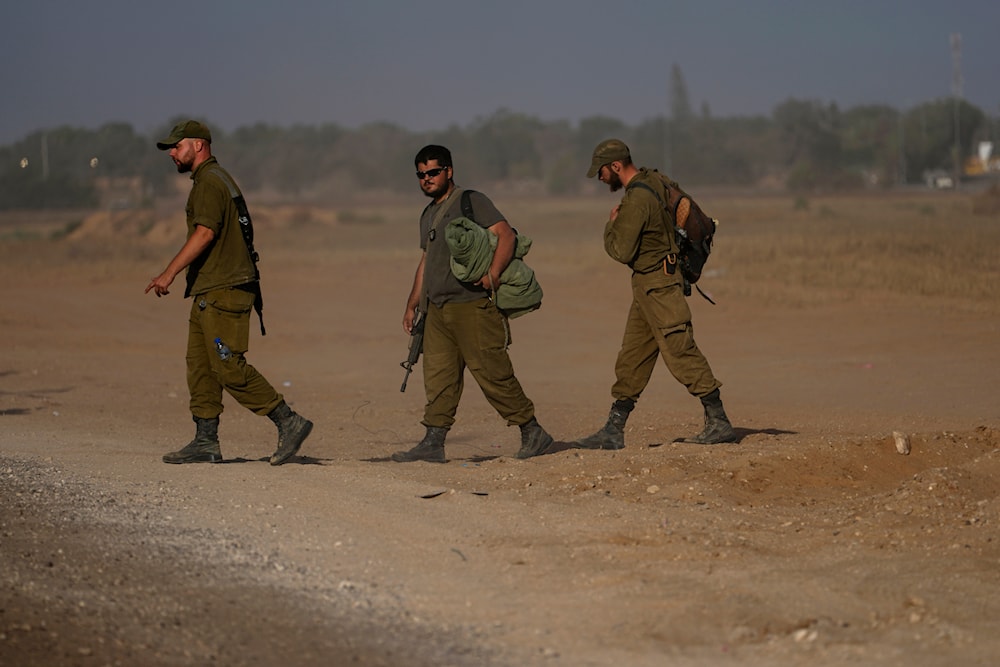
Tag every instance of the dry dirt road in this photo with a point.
(810, 542)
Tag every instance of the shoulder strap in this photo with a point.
(246, 224)
(644, 186)
(246, 229)
(672, 237)
(669, 229)
(663, 204)
(443, 209)
(467, 205)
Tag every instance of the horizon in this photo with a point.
(427, 67)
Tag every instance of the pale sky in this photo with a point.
(428, 64)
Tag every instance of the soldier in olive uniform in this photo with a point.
(223, 282)
(640, 234)
(463, 327)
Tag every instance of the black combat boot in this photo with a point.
(612, 436)
(205, 446)
(431, 448)
(293, 429)
(717, 427)
(534, 440)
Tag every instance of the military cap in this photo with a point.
(606, 152)
(188, 129)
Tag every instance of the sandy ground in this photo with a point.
(810, 542)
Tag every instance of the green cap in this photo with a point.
(606, 152)
(188, 129)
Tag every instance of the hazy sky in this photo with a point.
(427, 64)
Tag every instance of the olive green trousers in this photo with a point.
(224, 314)
(472, 335)
(659, 324)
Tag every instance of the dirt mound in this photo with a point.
(130, 225)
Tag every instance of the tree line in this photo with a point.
(803, 145)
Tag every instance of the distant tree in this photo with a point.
(870, 143)
(929, 135)
(806, 145)
(372, 157)
(680, 102)
(57, 171)
(811, 148)
(679, 140)
(595, 129)
(504, 146)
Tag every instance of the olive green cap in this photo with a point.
(606, 152)
(188, 129)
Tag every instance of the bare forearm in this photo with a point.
(192, 248)
(502, 255)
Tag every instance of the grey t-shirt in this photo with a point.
(440, 284)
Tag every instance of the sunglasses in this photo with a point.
(430, 173)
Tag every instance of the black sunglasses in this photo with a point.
(430, 173)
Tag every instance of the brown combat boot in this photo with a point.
(612, 434)
(717, 427)
(430, 449)
(534, 440)
(293, 429)
(205, 446)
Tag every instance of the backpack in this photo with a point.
(694, 231)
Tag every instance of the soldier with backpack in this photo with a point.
(463, 326)
(641, 234)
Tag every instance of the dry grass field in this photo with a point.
(839, 320)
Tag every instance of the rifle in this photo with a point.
(416, 346)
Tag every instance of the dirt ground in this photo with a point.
(812, 541)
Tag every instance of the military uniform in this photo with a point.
(641, 234)
(463, 328)
(659, 321)
(223, 285)
(223, 282)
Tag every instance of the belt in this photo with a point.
(668, 265)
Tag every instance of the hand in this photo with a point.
(160, 284)
(614, 213)
(489, 281)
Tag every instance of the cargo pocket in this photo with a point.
(665, 308)
(229, 317)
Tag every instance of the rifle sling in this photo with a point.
(246, 230)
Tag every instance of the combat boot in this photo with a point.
(293, 429)
(205, 446)
(534, 440)
(430, 449)
(717, 427)
(612, 435)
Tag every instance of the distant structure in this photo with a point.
(956, 92)
(983, 163)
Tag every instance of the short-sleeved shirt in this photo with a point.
(226, 261)
(440, 284)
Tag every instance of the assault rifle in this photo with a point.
(416, 346)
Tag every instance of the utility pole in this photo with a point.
(956, 92)
(45, 156)
(667, 126)
(901, 167)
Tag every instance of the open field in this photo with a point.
(839, 321)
